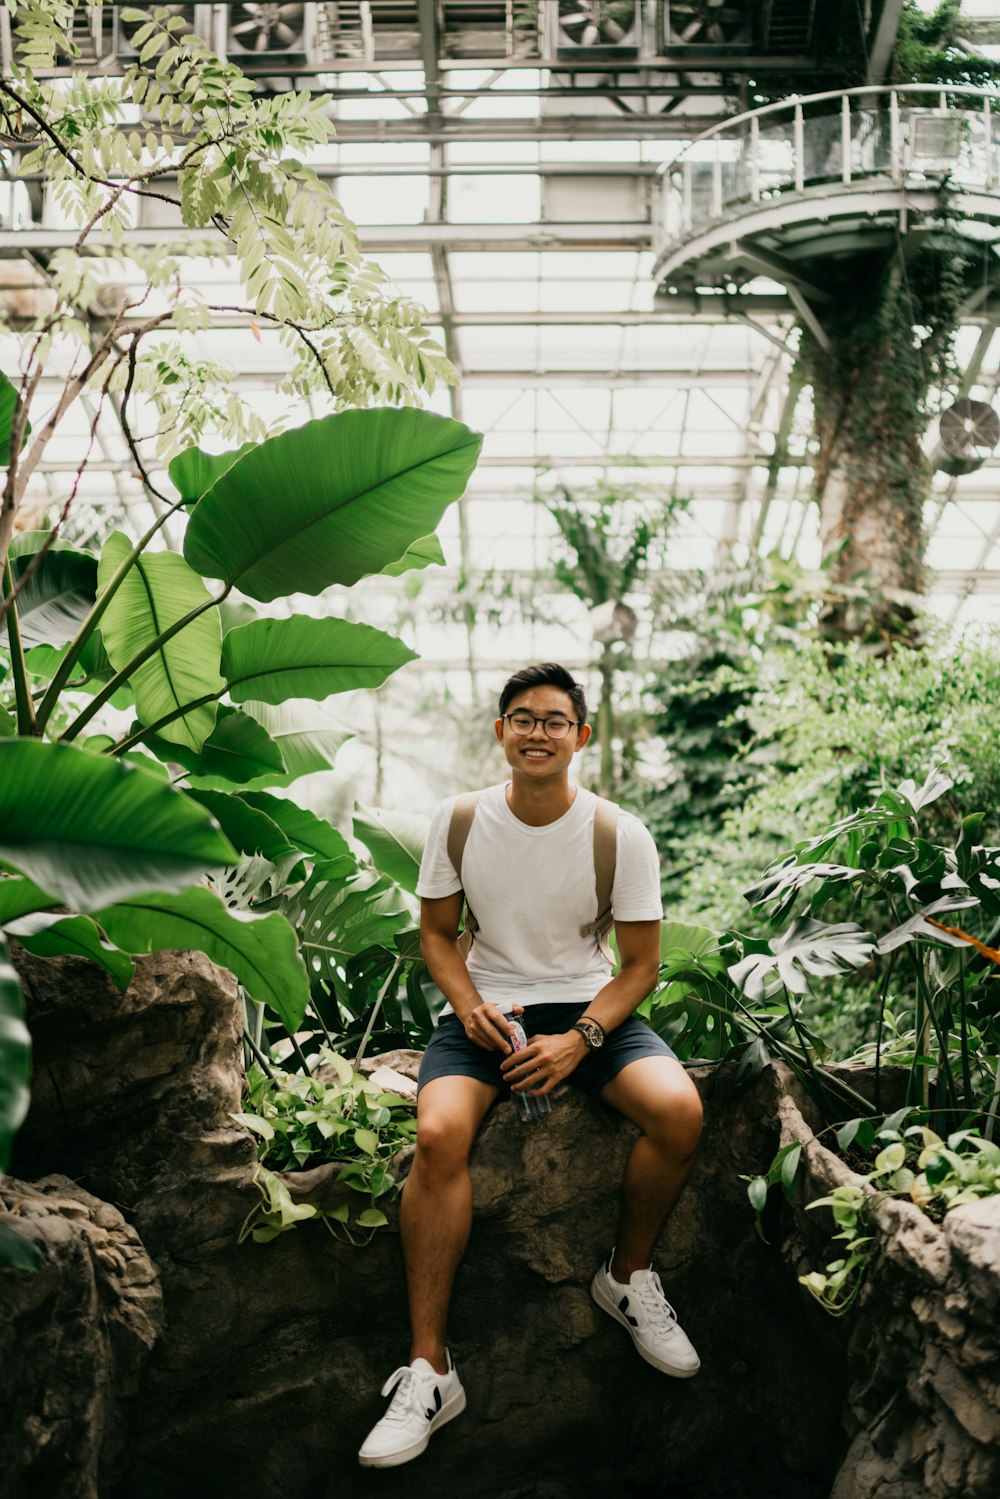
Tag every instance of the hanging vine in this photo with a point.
(890, 356)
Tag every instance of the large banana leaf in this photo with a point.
(303, 829)
(272, 660)
(18, 896)
(193, 472)
(237, 751)
(92, 670)
(423, 553)
(260, 950)
(51, 935)
(158, 590)
(395, 841)
(306, 736)
(89, 830)
(58, 595)
(331, 501)
(249, 830)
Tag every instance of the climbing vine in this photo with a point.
(890, 351)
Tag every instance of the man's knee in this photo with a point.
(442, 1149)
(676, 1124)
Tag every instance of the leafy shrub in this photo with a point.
(302, 1120)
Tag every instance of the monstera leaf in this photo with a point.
(782, 885)
(340, 911)
(330, 502)
(808, 947)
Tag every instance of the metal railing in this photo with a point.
(907, 134)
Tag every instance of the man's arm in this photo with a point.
(556, 1056)
(439, 920)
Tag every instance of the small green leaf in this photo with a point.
(371, 1218)
(789, 1171)
(757, 1193)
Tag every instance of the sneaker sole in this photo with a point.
(455, 1407)
(604, 1301)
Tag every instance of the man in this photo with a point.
(528, 874)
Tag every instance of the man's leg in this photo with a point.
(436, 1210)
(657, 1095)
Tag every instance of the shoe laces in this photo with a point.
(407, 1399)
(654, 1303)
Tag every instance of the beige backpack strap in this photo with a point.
(605, 860)
(459, 827)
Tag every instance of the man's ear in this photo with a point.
(583, 734)
(498, 729)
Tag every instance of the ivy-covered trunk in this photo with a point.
(889, 345)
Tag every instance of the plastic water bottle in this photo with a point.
(529, 1105)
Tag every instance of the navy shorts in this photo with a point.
(450, 1053)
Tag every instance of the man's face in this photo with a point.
(535, 754)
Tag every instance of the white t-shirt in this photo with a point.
(532, 889)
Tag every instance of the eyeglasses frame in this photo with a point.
(574, 723)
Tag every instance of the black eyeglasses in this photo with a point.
(556, 725)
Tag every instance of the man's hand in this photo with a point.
(489, 1028)
(545, 1061)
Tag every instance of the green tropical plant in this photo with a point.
(121, 838)
(304, 1119)
(914, 1163)
(610, 538)
(750, 997)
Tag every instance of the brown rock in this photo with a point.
(75, 1337)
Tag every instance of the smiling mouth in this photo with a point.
(536, 754)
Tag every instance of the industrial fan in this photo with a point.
(267, 28)
(597, 23)
(708, 23)
(969, 431)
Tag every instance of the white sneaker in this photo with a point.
(652, 1322)
(422, 1400)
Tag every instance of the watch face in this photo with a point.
(591, 1034)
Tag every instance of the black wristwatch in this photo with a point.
(592, 1032)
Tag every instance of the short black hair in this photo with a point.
(545, 674)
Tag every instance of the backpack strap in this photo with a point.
(605, 861)
(459, 827)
